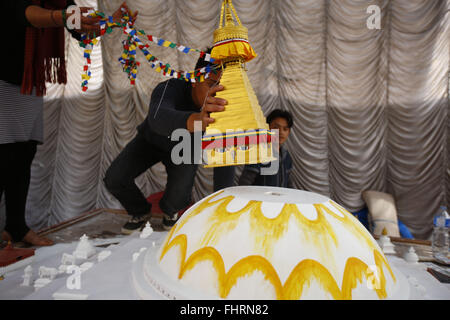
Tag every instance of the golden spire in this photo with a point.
(231, 39)
(229, 17)
(240, 134)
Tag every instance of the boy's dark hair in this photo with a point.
(201, 61)
(278, 113)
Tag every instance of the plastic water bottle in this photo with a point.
(439, 238)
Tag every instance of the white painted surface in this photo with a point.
(111, 279)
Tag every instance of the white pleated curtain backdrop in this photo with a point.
(370, 107)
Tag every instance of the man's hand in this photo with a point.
(89, 25)
(117, 15)
(212, 104)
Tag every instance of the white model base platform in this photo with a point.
(116, 276)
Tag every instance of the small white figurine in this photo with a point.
(135, 256)
(147, 231)
(103, 255)
(84, 250)
(27, 276)
(385, 243)
(411, 256)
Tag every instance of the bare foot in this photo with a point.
(6, 236)
(32, 238)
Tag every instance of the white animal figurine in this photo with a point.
(48, 273)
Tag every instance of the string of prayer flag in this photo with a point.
(132, 43)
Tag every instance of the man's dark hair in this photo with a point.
(278, 113)
(201, 61)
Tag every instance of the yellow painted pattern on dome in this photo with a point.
(205, 254)
(180, 241)
(267, 231)
(379, 260)
(246, 267)
(354, 271)
(222, 221)
(300, 276)
(351, 226)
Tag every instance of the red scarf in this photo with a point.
(44, 54)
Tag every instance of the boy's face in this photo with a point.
(282, 125)
(200, 89)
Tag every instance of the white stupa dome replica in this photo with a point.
(268, 243)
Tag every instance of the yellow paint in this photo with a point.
(379, 261)
(300, 276)
(226, 281)
(354, 271)
(266, 232)
(358, 232)
(166, 242)
(180, 241)
(247, 266)
(205, 254)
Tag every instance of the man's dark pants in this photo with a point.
(138, 156)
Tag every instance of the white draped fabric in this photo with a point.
(370, 106)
